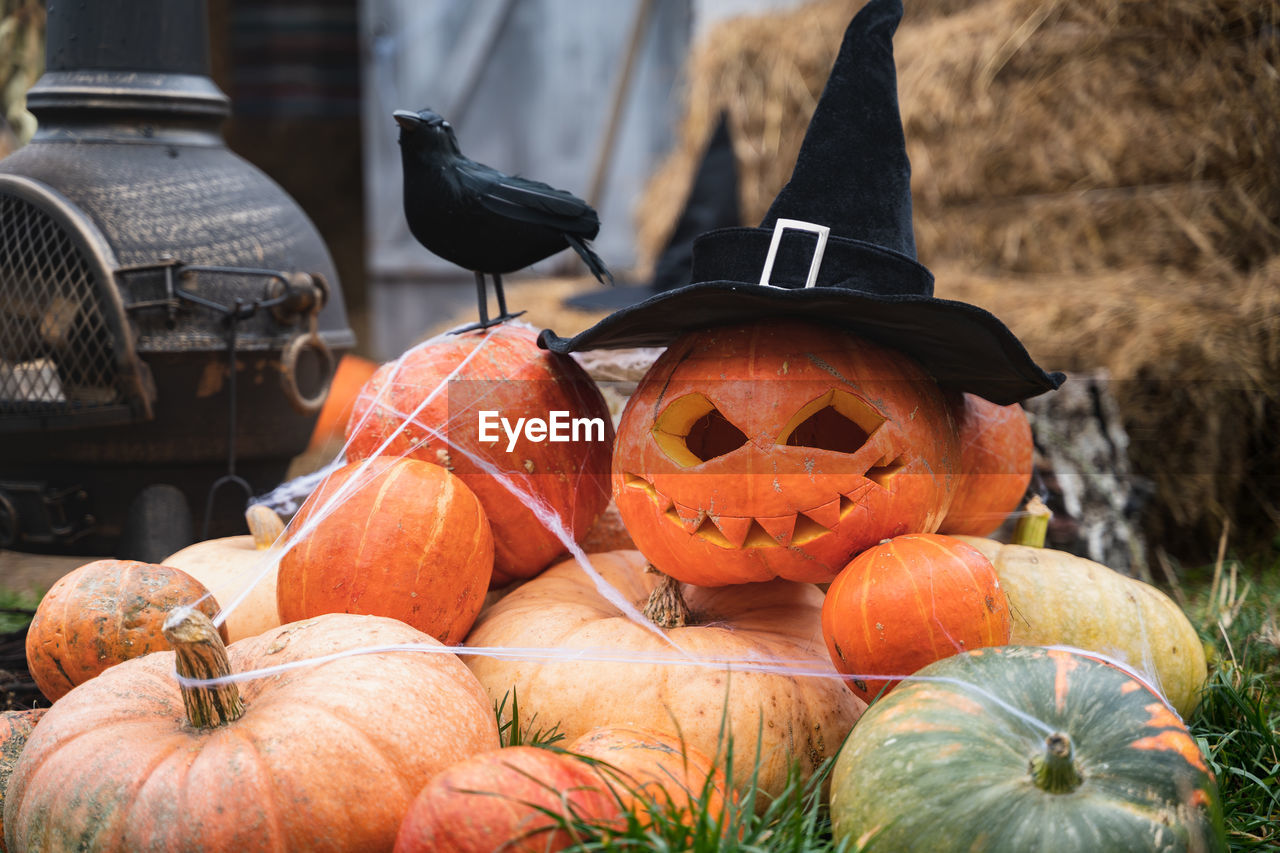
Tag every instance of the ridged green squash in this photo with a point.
(1023, 749)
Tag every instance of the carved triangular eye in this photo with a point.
(691, 430)
(836, 421)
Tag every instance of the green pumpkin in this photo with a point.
(1022, 749)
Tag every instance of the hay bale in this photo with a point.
(1140, 116)
(1195, 364)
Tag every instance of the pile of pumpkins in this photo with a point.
(809, 580)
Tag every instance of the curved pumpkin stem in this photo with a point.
(666, 606)
(202, 655)
(1055, 771)
(265, 525)
(1033, 526)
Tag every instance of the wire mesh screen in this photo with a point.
(56, 353)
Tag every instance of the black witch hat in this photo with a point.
(837, 246)
(712, 203)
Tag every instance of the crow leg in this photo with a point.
(482, 298)
(503, 314)
(502, 297)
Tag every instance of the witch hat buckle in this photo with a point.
(815, 263)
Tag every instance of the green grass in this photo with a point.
(15, 609)
(1238, 722)
(793, 822)
(1237, 726)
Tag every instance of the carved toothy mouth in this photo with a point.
(726, 531)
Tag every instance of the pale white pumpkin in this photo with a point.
(227, 566)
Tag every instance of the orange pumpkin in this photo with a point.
(512, 799)
(779, 449)
(15, 730)
(428, 404)
(348, 379)
(649, 769)
(320, 757)
(774, 718)
(908, 602)
(103, 613)
(996, 460)
(389, 537)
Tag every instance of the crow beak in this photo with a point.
(406, 119)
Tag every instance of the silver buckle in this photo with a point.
(798, 225)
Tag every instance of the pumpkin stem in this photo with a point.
(202, 655)
(666, 606)
(265, 525)
(1034, 523)
(1055, 771)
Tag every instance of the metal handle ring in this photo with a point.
(289, 372)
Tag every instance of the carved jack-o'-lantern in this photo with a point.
(779, 449)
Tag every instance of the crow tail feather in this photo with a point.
(590, 258)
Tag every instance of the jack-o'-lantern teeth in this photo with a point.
(729, 531)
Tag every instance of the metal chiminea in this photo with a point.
(169, 317)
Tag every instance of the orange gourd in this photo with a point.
(773, 718)
(512, 799)
(779, 449)
(651, 770)
(428, 403)
(348, 379)
(389, 537)
(908, 602)
(996, 459)
(15, 730)
(102, 613)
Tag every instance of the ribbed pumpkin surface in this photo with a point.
(15, 729)
(510, 800)
(427, 404)
(647, 768)
(104, 612)
(996, 459)
(326, 757)
(782, 717)
(952, 764)
(389, 537)
(908, 602)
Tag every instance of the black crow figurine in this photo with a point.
(481, 219)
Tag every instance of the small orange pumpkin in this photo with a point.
(428, 404)
(505, 800)
(779, 450)
(15, 729)
(908, 602)
(389, 537)
(652, 770)
(103, 613)
(996, 460)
